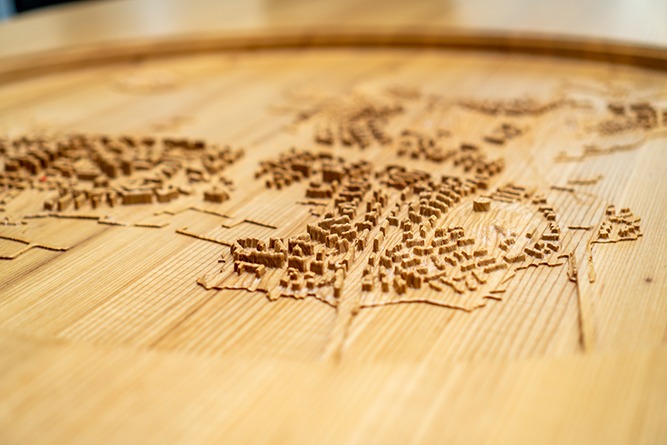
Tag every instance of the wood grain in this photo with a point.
(103, 22)
(113, 340)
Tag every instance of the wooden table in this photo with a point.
(114, 20)
(288, 222)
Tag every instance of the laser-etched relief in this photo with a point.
(443, 230)
(400, 198)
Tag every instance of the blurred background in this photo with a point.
(41, 25)
(11, 7)
(636, 20)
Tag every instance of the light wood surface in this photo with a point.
(640, 22)
(147, 323)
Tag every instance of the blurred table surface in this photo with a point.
(98, 392)
(635, 21)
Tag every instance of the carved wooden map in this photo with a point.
(336, 208)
